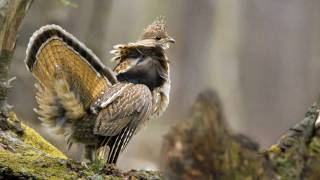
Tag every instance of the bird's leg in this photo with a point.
(102, 153)
(89, 155)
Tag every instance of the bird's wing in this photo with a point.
(53, 54)
(122, 105)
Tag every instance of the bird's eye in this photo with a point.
(158, 38)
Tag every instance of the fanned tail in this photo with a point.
(59, 106)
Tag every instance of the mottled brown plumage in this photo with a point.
(90, 104)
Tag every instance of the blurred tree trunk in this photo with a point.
(223, 71)
(96, 34)
(11, 14)
(279, 57)
(91, 27)
(194, 31)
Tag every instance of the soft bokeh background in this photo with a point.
(263, 58)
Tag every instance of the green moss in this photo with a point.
(312, 163)
(288, 165)
(275, 149)
(33, 164)
(314, 148)
(32, 138)
(234, 154)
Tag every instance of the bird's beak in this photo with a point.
(170, 40)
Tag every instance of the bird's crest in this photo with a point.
(159, 26)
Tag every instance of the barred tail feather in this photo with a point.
(58, 106)
(70, 102)
(53, 52)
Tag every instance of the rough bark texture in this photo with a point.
(11, 14)
(204, 148)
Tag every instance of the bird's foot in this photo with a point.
(84, 164)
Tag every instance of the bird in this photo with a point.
(92, 104)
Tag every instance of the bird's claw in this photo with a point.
(84, 164)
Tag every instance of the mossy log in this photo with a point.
(28, 155)
(204, 148)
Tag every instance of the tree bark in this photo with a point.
(11, 14)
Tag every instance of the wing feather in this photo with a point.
(132, 106)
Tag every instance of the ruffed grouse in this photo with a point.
(89, 103)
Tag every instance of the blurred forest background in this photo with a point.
(262, 57)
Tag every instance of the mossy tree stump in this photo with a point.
(204, 148)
